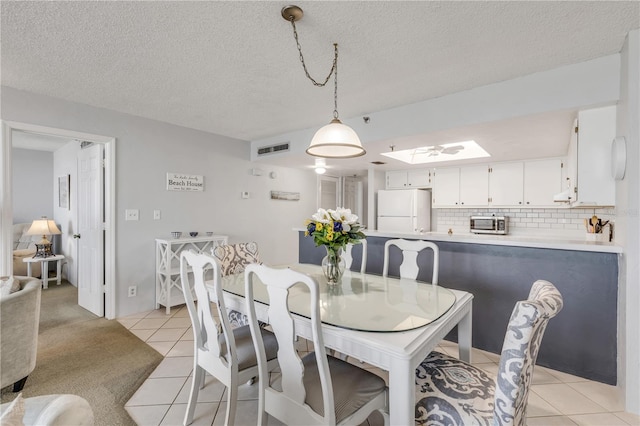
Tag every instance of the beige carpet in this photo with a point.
(89, 356)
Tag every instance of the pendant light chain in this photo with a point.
(333, 71)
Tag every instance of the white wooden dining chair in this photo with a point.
(409, 267)
(348, 255)
(227, 354)
(317, 389)
(463, 394)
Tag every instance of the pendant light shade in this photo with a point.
(336, 140)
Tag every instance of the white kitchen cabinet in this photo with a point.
(466, 186)
(474, 186)
(506, 184)
(589, 159)
(403, 179)
(446, 187)
(542, 180)
(168, 287)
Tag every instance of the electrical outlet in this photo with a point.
(131, 214)
(133, 291)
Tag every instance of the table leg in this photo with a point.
(44, 271)
(401, 393)
(59, 272)
(464, 337)
(29, 269)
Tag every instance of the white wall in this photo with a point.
(628, 212)
(33, 184)
(65, 163)
(146, 151)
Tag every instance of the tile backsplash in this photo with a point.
(522, 221)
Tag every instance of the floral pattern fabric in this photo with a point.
(452, 392)
(233, 259)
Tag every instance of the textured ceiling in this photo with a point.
(232, 68)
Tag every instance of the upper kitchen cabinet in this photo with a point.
(506, 184)
(461, 187)
(542, 181)
(474, 186)
(589, 159)
(403, 179)
(446, 187)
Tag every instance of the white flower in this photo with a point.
(345, 216)
(322, 216)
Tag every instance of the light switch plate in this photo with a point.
(131, 214)
(156, 215)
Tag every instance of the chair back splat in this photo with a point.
(409, 268)
(317, 389)
(348, 255)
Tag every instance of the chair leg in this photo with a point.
(232, 399)
(198, 376)
(17, 386)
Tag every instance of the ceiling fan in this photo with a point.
(434, 151)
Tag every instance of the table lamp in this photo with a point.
(44, 227)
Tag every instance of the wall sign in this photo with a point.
(184, 182)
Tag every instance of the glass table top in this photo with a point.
(363, 302)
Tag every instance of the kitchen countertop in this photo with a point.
(546, 242)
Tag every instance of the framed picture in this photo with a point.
(283, 195)
(63, 191)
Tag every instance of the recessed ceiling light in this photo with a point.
(445, 152)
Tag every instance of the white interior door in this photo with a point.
(91, 229)
(328, 192)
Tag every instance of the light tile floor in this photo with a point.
(555, 398)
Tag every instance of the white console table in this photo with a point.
(168, 286)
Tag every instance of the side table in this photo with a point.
(45, 268)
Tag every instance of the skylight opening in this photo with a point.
(433, 154)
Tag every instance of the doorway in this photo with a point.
(6, 202)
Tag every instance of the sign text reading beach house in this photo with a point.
(183, 182)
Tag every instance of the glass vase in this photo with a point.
(333, 265)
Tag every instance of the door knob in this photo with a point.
(76, 236)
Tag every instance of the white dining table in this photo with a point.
(387, 322)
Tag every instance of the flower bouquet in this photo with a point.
(334, 229)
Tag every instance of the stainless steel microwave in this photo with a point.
(489, 224)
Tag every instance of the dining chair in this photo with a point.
(224, 352)
(447, 388)
(317, 389)
(233, 259)
(410, 249)
(348, 256)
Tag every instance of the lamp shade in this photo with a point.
(336, 140)
(43, 226)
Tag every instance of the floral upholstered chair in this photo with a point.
(233, 259)
(449, 391)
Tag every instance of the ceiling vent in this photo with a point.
(272, 149)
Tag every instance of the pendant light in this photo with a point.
(335, 140)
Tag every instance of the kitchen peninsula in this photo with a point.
(499, 270)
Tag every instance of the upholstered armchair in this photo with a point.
(19, 323)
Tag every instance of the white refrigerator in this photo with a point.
(404, 210)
